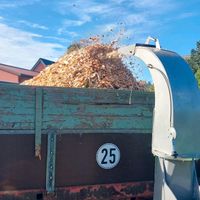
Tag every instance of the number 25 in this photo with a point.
(111, 156)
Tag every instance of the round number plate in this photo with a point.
(108, 156)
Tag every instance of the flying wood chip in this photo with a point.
(93, 66)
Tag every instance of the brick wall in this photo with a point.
(39, 67)
(8, 77)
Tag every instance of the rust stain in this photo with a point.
(118, 191)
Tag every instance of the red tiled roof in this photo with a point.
(17, 71)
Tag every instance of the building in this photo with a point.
(13, 74)
(41, 64)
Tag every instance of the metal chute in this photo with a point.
(176, 127)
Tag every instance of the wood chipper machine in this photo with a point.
(175, 134)
(96, 144)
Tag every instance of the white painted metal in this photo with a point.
(162, 140)
(175, 180)
(149, 39)
(176, 123)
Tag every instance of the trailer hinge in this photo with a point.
(38, 121)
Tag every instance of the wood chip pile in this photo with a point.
(93, 66)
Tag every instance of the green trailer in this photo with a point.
(70, 143)
(89, 144)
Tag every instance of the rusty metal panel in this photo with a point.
(118, 191)
(76, 161)
(19, 169)
(83, 120)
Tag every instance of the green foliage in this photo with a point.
(74, 47)
(197, 76)
(149, 87)
(194, 59)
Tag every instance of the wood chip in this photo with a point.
(93, 66)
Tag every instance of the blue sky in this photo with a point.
(30, 29)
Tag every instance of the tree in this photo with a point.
(197, 76)
(149, 87)
(194, 59)
(74, 47)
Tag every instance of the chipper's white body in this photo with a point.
(176, 124)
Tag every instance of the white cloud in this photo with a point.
(59, 39)
(63, 31)
(147, 17)
(155, 6)
(118, 1)
(135, 27)
(134, 19)
(96, 8)
(140, 18)
(107, 27)
(86, 10)
(13, 4)
(187, 15)
(143, 13)
(121, 33)
(33, 25)
(79, 22)
(72, 23)
(4, 5)
(146, 3)
(20, 48)
(85, 7)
